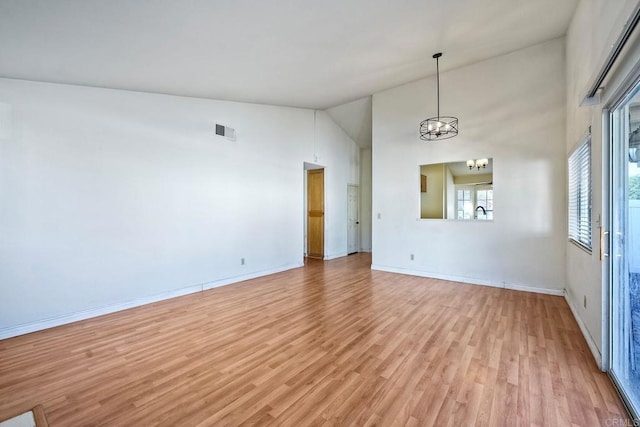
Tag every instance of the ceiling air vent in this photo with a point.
(226, 132)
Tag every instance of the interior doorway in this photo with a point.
(353, 219)
(315, 213)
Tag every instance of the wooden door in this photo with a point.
(315, 213)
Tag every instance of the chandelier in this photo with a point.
(480, 163)
(439, 127)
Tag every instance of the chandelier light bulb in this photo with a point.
(480, 163)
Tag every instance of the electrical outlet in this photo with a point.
(411, 257)
(585, 301)
(241, 261)
(378, 215)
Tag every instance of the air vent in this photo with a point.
(226, 132)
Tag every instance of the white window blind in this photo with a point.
(580, 194)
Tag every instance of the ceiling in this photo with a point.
(355, 119)
(313, 54)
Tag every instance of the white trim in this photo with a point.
(334, 256)
(535, 289)
(585, 332)
(469, 280)
(605, 225)
(52, 322)
(249, 276)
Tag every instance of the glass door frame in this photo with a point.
(608, 242)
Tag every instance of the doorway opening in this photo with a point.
(353, 219)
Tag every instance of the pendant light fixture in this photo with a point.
(439, 127)
(480, 163)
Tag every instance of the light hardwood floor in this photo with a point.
(331, 343)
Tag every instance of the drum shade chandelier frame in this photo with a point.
(439, 127)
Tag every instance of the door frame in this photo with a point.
(618, 97)
(357, 236)
(307, 166)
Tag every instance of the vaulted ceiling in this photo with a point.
(314, 54)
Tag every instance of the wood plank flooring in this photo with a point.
(332, 343)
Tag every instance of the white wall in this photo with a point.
(340, 156)
(594, 28)
(111, 197)
(511, 108)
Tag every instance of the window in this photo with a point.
(484, 200)
(465, 205)
(480, 196)
(580, 195)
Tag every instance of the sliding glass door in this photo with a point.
(624, 256)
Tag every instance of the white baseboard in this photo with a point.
(52, 322)
(249, 276)
(585, 332)
(469, 280)
(535, 289)
(334, 256)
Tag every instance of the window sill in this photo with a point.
(581, 246)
